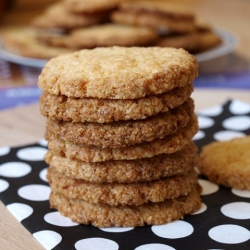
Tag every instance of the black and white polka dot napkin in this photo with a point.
(223, 222)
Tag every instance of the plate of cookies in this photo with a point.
(114, 23)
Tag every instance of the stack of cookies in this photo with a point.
(120, 123)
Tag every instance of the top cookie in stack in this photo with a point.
(119, 130)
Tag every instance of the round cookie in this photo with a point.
(112, 35)
(90, 6)
(140, 170)
(103, 110)
(58, 16)
(227, 163)
(118, 72)
(103, 215)
(160, 16)
(122, 193)
(170, 144)
(22, 41)
(123, 133)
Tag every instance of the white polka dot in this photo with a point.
(199, 135)
(227, 135)
(97, 244)
(214, 111)
(3, 185)
(241, 193)
(205, 122)
(20, 211)
(43, 142)
(43, 174)
(237, 123)
(55, 218)
(229, 234)
(174, 230)
(237, 210)
(239, 108)
(32, 154)
(208, 187)
(4, 151)
(116, 229)
(202, 209)
(34, 192)
(48, 239)
(154, 246)
(14, 169)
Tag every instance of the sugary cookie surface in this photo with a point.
(118, 72)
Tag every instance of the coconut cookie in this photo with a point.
(122, 193)
(112, 34)
(123, 133)
(104, 215)
(227, 163)
(59, 17)
(118, 72)
(90, 6)
(155, 14)
(108, 110)
(168, 145)
(141, 170)
(22, 41)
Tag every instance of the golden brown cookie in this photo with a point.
(188, 41)
(141, 170)
(110, 35)
(122, 193)
(108, 110)
(227, 163)
(167, 145)
(158, 15)
(90, 6)
(118, 72)
(122, 133)
(103, 215)
(22, 41)
(58, 16)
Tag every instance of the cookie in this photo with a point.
(22, 41)
(122, 193)
(58, 16)
(141, 170)
(110, 35)
(122, 133)
(90, 6)
(170, 144)
(227, 163)
(118, 72)
(72, 109)
(103, 215)
(188, 41)
(53, 38)
(155, 14)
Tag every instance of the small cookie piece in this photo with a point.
(103, 215)
(58, 16)
(227, 163)
(103, 110)
(90, 6)
(118, 72)
(112, 35)
(170, 144)
(123, 133)
(141, 170)
(22, 41)
(158, 15)
(122, 193)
